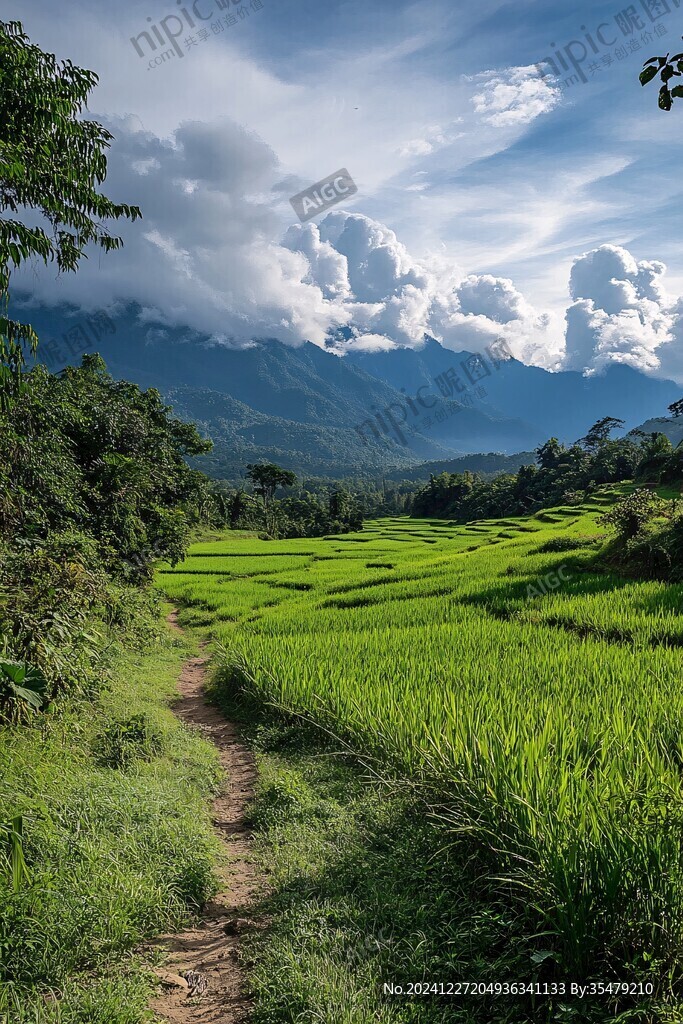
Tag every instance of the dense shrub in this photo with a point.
(566, 544)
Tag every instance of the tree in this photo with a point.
(83, 452)
(667, 68)
(340, 504)
(655, 454)
(52, 162)
(237, 506)
(676, 408)
(599, 433)
(550, 453)
(267, 477)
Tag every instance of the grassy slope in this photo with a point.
(115, 853)
(452, 658)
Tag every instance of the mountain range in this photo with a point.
(312, 411)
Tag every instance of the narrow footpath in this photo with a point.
(202, 981)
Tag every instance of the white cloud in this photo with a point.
(208, 256)
(514, 96)
(494, 297)
(327, 267)
(621, 314)
(204, 256)
(369, 343)
(397, 300)
(432, 139)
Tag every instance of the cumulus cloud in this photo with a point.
(493, 297)
(514, 96)
(206, 254)
(327, 267)
(210, 256)
(621, 313)
(394, 299)
(379, 265)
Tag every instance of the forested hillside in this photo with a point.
(320, 412)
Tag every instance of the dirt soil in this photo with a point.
(202, 981)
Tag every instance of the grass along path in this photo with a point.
(114, 794)
(202, 981)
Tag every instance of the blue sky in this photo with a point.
(476, 176)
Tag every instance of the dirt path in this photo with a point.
(202, 980)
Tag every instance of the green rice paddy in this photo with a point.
(534, 700)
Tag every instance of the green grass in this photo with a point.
(118, 848)
(356, 896)
(541, 716)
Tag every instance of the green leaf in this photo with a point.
(25, 681)
(30, 696)
(647, 75)
(14, 670)
(677, 92)
(667, 73)
(542, 954)
(664, 101)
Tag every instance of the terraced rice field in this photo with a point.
(537, 701)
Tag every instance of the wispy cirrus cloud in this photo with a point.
(435, 137)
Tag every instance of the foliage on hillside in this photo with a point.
(304, 514)
(563, 475)
(243, 434)
(315, 506)
(94, 487)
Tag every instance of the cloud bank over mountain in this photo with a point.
(211, 254)
(621, 313)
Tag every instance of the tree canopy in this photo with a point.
(88, 454)
(51, 162)
(267, 477)
(564, 475)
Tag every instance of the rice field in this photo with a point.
(534, 700)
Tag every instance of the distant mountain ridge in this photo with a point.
(671, 426)
(314, 411)
(485, 464)
(563, 405)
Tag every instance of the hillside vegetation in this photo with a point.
(104, 838)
